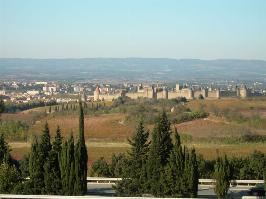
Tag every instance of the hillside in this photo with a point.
(138, 69)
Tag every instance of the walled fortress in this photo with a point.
(152, 92)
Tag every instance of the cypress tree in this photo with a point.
(45, 144)
(160, 149)
(36, 182)
(38, 157)
(180, 176)
(4, 150)
(154, 166)
(66, 164)
(81, 158)
(222, 177)
(162, 131)
(190, 174)
(52, 177)
(57, 143)
(173, 175)
(2, 107)
(194, 174)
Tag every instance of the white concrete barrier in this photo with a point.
(207, 182)
(252, 197)
(102, 180)
(3, 196)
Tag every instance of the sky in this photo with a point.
(200, 29)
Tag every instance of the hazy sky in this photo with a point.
(206, 29)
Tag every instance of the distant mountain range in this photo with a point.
(134, 69)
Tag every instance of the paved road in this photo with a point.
(204, 191)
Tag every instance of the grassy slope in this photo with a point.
(102, 130)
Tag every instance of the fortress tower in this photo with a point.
(177, 87)
(165, 93)
(243, 93)
(97, 94)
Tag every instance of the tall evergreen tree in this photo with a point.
(45, 144)
(9, 178)
(2, 107)
(36, 182)
(67, 169)
(52, 177)
(160, 149)
(162, 132)
(194, 174)
(38, 158)
(52, 174)
(4, 150)
(222, 175)
(190, 174)
(57, 143)
(81, 158)
(139, 150)
(173, 175)
(135, 175)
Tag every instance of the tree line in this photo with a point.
(54, 167)
(159, 166)
(162, 167)
(13, 108)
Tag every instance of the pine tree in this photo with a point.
(135, 175)
(139, 149)
(9, 178)
(222, 176)
(160, 149)
(81, 158)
